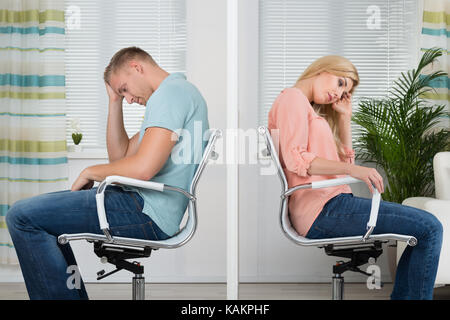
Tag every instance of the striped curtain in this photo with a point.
(33, 151)
(436, 34)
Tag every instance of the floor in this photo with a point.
(217, 291)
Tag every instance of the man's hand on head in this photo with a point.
(113, 96)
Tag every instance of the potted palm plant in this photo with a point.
(400, 134)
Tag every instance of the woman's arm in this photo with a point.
(290, 116)
(345, 130)
(321, 166)
(344, 108)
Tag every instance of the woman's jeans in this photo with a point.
(35, 224)
(346, 215)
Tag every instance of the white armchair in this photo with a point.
(440, 207)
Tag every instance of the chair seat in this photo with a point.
(353, 240)
(118, 241)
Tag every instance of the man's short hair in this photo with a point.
(124, 55)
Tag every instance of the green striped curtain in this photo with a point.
(436, 34)
(33, 151)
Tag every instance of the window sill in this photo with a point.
(88, 154)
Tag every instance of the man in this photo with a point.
(174, 110)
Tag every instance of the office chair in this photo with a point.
(116, 250)
(359, 249)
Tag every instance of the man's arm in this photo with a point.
(133, 145)
(117, 142)
(153, 152)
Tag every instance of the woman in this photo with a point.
(313, 121)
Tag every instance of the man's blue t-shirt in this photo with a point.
(176, 105)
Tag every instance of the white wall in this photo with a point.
(265, 254)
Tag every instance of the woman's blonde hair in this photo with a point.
(339, 66)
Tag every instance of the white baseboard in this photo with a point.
(13, 274)
(126, 278)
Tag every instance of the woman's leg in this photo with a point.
(35, 224)
(346, 215)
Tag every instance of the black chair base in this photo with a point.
(117, 256)
(358, 255)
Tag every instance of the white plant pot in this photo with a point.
(75, 148)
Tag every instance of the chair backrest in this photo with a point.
(285, 222)
(441, 166)
(208, 153)
(185, 234)
(272, 152)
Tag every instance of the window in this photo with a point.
(95, 30)
(378, 36)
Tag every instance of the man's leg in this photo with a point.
(36, 223)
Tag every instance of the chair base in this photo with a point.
(359, 255)
(337, 290)
(116, 255)
(138, 287)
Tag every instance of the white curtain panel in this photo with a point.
(436, 34)
(33, 151)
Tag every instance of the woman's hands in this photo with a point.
(344, 105)
(369, 175)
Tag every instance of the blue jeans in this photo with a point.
(35, 224)
(346, 215)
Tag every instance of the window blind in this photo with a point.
(377, 36)
(95, 30)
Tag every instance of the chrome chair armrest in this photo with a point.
(322, 184)
(376, 197)
(100, 196)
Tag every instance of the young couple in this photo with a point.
(313, 118)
